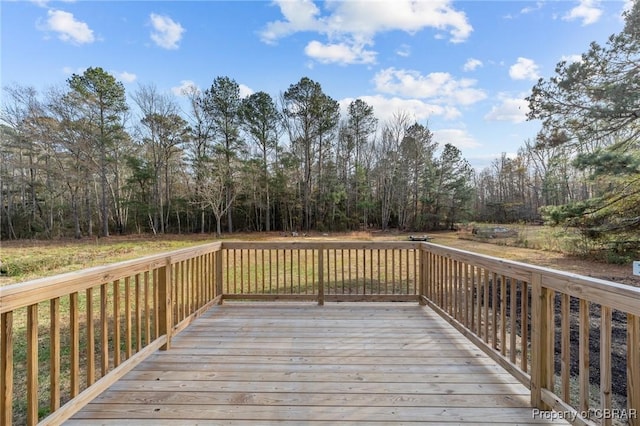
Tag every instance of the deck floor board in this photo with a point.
(290, 363)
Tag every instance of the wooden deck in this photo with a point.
(294, 363)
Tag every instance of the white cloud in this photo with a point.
(68, 28)
(587, 10)
(524, 69)
(166, 32)
(481, 162)
(186, 86)
(351, 25)
(366, 18)
(341, 53)
(530, 9)
(299, 15)
(472, 64)
(457, 137)
(439, 86)
(628, 5)
(513, 110)
(570, 59)
(45, 3)
(125, 76)
(70, 70)
(418, 110)
(404, 51)
(245, 91)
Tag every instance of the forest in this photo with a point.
(87, 159)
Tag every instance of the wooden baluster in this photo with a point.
(605, 362)
(473, 294)
(291, 271)
(479, 301)
(513, 316)
(299, 268)
(263, 269)
(255, 269)
(164, 306)
(138, 301)
(451, 293)
(32, 364)
(364, 270)
(156, 302)
(116, 323)
(494, 310)
(74, 337)
(313, 272)
(6, 368)
(386, 272)
(503, 315)
(235, 274)
(583, 355)
(321, 277)
(565, 344)
(421, 277)
(277, 271)
(406, 255)
(633, 369)
(127, 316)
(219, 286)
(524, 326)
(335, 271)
(104, 332)
(91, 339)
(147, 309)
(270, 271)
(54, 355)
(485, 303)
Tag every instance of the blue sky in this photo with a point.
(461, 67)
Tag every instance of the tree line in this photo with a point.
(81, 161)
(583, 169)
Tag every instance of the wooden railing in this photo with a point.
(557, 332)
(331, 271)
(67, 338)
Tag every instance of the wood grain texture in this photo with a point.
(297, 363)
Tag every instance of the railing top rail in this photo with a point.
(615, 295)
(618, 296)
(15, 296)
(319, 245)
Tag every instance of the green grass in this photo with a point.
(20, 350)
(26, 260)
(555, 239)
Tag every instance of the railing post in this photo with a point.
(165, 309)
(633, 369)
(542, 334)
(219, 274)
(421, 280)
(6, 368)
(321, 277)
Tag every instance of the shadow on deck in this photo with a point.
(296, 363)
